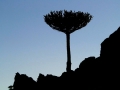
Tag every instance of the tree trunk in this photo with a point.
(68, 68)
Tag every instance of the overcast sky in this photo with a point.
(29, 46)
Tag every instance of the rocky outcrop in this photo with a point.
(101, 73)
(23, 82)
(110, 47)
(43, 82)
(110, 57)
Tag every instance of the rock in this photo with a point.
(40, 78)
(111, 46)
(101, 73)
(23, 82)
(109, 55)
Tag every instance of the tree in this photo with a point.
(67, 22)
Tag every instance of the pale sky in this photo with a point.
(29, 46)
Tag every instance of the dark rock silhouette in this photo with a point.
(109, 55)
(101, 73)
(111, 46)
(23, 82)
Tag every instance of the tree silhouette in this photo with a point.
(67, 22)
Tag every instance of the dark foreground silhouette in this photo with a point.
(101, 73)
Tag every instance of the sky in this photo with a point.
(29, 46)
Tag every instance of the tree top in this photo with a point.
(67, 21)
